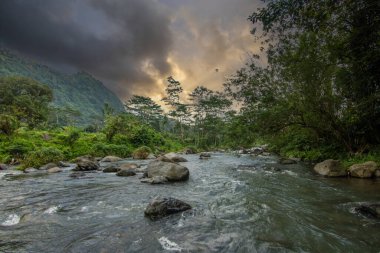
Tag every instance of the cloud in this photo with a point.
(109, 39)
(133, 45)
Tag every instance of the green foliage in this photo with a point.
(42, 156)
(148, 111)
(8, 124)
(101, 150)
(141, 152)
(25, 99)
(75, 93)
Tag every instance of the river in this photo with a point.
(240, 204)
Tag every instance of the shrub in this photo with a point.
(8, 124)
(42, 156)
(141, 152)
(101, 149)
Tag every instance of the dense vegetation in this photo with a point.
(312, 93)
(78, 98)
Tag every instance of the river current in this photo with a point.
(240, 204)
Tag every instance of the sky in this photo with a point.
(132, 46)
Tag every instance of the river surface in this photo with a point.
(240, 204)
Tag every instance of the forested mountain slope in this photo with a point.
(79, 93)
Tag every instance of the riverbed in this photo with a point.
(240, 204)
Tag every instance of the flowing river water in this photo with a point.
(240, 204)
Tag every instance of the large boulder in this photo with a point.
(161, 207)
(171, 171)
(85, 164)
(175, 157)
(364, 170)
(330, 168)
(111, 159)
(3, 166)
(189, 151)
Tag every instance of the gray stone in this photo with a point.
(111, 169)
(175, 157)
(111, 159)
(171, 171)
(48, 166)
(370, 210)
(330, 168)
(86, 165)
(54, 170)
(126, 173)
(363, 170)
(63, 164)
(30, 170)
(161, 207)
(204, 155)
(3, 166)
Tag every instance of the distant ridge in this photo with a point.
(79, 91)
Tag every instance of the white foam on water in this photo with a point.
(51, 210)
(290, 173)
(169, 245)
(12, 219)
(84, 209)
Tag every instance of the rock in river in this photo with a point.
(204, 155)
(369, 211)
(161, 207)
(48, 166)
(363, 170)
(175, 158)
(54, 170)
(330, 168)
(285, 161)
(111, 159)
(111, 169)
(171, 171)
(85, 164)
(126, 173)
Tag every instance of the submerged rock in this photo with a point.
(204, 155)
(111, 169)
(111, 159)
(369, 211)
(161, 207)
(285, 161)
(77, 174)
(125, 173)
(63, 164)
(3, 166)
(364, 170)
(330, 168)
(175, 157)
(171, 171)
(154, 180)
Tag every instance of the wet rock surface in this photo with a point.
(161, 207)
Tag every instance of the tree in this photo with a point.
(25, 99)
(178, 110)
(148, 111)
(321, 73)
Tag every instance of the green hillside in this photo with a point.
(79, 92)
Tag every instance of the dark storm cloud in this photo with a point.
(111, 39)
